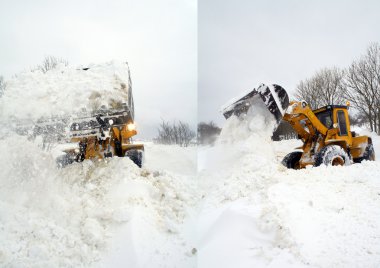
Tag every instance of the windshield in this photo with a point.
(326, 118)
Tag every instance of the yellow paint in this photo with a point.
(318, 136)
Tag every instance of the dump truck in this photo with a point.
(325, 132)
(77, 113)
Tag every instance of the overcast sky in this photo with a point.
(226, 46)
(157, 38)
(244, 43)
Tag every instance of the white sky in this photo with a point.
(157, 38)
(229, 46)
(244, 43)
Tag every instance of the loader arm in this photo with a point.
(303, 120)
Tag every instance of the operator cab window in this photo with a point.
(342, 123)
(325, 118)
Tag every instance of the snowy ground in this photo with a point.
(230, 205)
(106, 214)
(256, 213)
(91, 214)
(243, 210)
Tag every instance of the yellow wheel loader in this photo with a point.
(95, 132)
(325, 132)
(108, 133)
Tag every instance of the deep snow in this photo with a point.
(92, 214)
(105, 213)
(257, 213)
(64, 91)
(229, 205)
(243, 209)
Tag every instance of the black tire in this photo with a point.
(291, 160)
(64, 160)
(118, 149)
(369, 153)
(137, 156)
(332, 155)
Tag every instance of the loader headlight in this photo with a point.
(131, 126)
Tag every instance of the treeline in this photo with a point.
(207, 133)
(180, 133)
(174, 132)
(359, 84)
(48, 63)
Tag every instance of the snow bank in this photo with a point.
(257, 213)
(65, 90)
(73, 217)
(173, 158)
(107, 213)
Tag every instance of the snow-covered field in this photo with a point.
(106, 214)
(243, 209)
(256, 213)
(229, 205)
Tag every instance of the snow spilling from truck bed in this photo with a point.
(64, 90)
(257, 213)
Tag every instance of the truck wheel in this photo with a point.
(369, 153)
(64, 160)
(332, 155)
(137, 156)
(291, 160)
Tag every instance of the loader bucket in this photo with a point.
(274, 97)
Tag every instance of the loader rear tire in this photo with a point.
(292, 159)
(369, 153)
(137, 156)
(332, 155)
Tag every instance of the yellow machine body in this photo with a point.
(96, 148)
(329, 125)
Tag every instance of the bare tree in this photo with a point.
(164, 133)
(49, 63)
(207, 132)
(174, 133)
(2, 86)
(363, 85)
(324, 88)
(185, 134)
(308, 91)
(358, 119)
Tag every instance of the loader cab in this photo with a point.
(336, 117)
(326, 117)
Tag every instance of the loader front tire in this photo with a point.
(291, 160)
(136, 156)
(332, 155)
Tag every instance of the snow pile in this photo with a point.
(179, 160)
(72, 217)
(257, 213)
(105, 213)
(65, 90)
